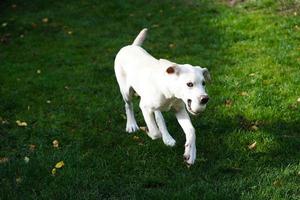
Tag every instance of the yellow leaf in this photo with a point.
(53, 171)
(45, 20)
(144, 128)
(55, 143)
(19, 123)
(136, 137)
(254, 128)
(59, 165)
(252, 146)
(244, 94)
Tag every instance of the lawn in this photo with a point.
(57, 77)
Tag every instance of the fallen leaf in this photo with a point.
(228, 103)
(172, 45)
(3, 160)
(136, 137)
(18, 180)
(26, 159)
(55, 143)
(144, 128)
(277, 183)
(252, 146)
(22, 124)
(5, 122)
(254, 128)
(45, 20)
(32, 147)
(59, 165)
(33, 25)
(53, 171)
(244, 94)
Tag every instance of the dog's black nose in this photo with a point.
(204, 99)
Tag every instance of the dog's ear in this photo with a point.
(173, 69)
(206, 74)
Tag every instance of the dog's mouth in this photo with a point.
(189, 103)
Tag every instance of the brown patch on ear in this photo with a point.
(170, 70)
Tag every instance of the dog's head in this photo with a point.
(188, 84)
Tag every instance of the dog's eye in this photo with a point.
(190, 84)
(203, 83)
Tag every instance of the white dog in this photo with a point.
(162, 85)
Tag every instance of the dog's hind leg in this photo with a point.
(166, 137)
(131, 125)
(127, 93)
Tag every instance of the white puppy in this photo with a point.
(162, 85)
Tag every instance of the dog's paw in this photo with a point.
(190, 154)
(169, 141)
(133, 127)
(154, 136)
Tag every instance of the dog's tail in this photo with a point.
(140, 38)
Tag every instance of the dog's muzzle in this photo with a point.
(202, 101)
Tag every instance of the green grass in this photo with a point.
(251, 49)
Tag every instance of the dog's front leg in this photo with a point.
(190, 144)
(167, 138)
(148, 113)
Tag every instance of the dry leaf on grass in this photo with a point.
(144, 128)
(26, 159)
(136, 138)
(32, 147)
(172, 45)
(3, 160)
(253, 128)
(277, 183)
(22, 124)
(45, 20)
(59, 165)
(252, 146)
(53, 171)
(228, 103)
(55, 143)
(18, 180)
(244, 94)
